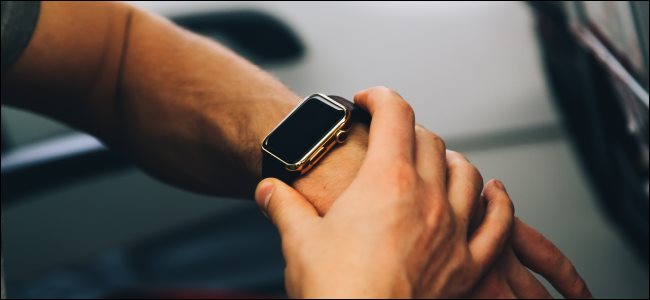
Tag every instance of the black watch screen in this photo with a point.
(312, 120)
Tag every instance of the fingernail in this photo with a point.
(499, 184)
(263, 197)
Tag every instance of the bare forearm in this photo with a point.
(185, 108)
(212, 110)
(202, 108)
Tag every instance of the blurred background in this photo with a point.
(551, 97)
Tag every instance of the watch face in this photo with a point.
(303, 129)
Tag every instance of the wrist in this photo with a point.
(331, 175)
(271, 113)
(336, 170)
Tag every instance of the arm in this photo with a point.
(397, 231)
(186, 109)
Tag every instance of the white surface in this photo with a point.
(465, 67)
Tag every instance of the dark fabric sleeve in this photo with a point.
(18, 22)
(16, 27)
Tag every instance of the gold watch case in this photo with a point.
(336, 135)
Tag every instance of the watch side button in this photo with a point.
(341, 136)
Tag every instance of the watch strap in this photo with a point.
(272, 167)
(358, 114)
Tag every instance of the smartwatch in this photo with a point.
(307, 134)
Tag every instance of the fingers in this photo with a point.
(464, 187)
(477, 216)
(520, 280)
(392, 134)
(286, 208)
(430, 160)
(544, 258)
(488, 240)
(494, 285)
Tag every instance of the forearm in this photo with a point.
(178, 104)
(185, 108)
(195, 112)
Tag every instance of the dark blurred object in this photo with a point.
(4, 140)
(236, 255)
(256, 35)
(596, 59)
(54, 162)
(188, 294)
(240, 251)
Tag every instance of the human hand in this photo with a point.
(510, 275)
(396, 231)
(323, 184)
(528, 250)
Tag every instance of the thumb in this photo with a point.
(283, 205)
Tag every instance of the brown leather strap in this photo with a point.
(271, 167)
(358, 115)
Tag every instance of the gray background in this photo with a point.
(472, 73)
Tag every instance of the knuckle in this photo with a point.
(506, 203)
(387, 94)
(474, 176)
(434, 217)
(512, 210)
(405, 109)
(565, 265)
(438, 142)
(478, 178)
(435, 141)
(578, 286)
(421, 131)
(499, 198)
(459, 162)
(454, 159)
(438, 219)
(380, 92)
(492, 187)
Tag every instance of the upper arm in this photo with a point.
(68, 70)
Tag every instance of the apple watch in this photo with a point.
(307, 134)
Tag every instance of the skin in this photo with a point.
(184, 108)
(405, 237)
(315, 245)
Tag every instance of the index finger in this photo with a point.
(543, 257)
(392, 129)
